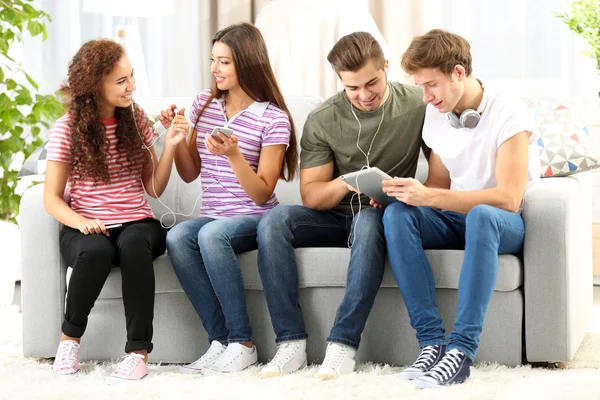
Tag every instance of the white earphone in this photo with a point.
(160, 131)
(367, 154)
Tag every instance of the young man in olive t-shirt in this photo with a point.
(372, 122)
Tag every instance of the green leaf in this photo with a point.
(10, 16)
(30, 11)
(6, 55)
(36, 110)
(7, 146)
(4, 48)
(11, 84)
(30, 80)
(21, 118)
(17, 131)
(23, 97)
(12, 116)
(4, 100)
(584, 20)
(31, 119)
(34, 28)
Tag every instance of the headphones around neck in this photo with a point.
(468, 118)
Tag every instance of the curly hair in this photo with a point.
(81, 93)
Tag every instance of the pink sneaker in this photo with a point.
(67, 358)
(131, 369)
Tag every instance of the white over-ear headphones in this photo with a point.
(468, 118)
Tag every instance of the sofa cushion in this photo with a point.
(561, 141)
(326, 267)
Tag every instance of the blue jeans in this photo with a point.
(287, 227)
(202, 251)
(483, 233)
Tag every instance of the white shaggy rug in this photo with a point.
(22, 378)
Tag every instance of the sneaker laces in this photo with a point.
(285, 352)
(334, 356)
(228, 356)
(129, 363)
(427, 356)
(68, 352)
(210, 353)
(447, 366)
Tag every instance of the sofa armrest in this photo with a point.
(557, 266)
(44, 276)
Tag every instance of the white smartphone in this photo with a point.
(368, 181)
(225, 131)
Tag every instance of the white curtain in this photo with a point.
(516, 44)
(170, 44)
(299, 36)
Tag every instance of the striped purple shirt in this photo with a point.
(261, 124)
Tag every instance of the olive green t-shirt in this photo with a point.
(331, 131)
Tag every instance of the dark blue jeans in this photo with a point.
(202, 251)
(483, 233)
(287, 227)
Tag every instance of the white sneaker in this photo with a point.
(211, 355)
(235, 358)
(290, 357)
(339, 360)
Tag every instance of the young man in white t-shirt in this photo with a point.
(483, 158)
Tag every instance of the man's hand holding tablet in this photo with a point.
(369, 181)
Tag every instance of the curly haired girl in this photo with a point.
(100, 151)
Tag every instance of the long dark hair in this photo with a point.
(257, 80)
(82, 93)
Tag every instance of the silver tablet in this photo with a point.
(368, 181)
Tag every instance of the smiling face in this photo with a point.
(222, 67)
(366, 87)
(117, 88)
(439, 89)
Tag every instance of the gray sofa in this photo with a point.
(539, 312)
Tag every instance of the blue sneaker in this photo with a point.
(454, 368)
(430, 356)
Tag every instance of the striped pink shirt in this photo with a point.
(122, 200)
(261, 124)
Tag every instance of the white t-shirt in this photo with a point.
(470, 154)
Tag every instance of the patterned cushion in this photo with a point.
(561, 142)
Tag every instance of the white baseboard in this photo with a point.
(596, 280)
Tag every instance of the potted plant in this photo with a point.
(23, 115)
(23, 112)
(584, 20)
